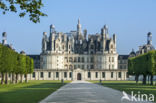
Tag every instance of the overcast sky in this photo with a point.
(131, 20)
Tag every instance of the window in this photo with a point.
(120, 66)
(91, 59)
(103, 74)
(109, 59)
(96, 74)
(41, 74)
(57, 74)
(49, 74)
(33, 75)
(124, 66)
(78, 59)
(89, 75)
(87, 66)
(70, 74)
(82, 66)
(111, 74)
(75, 60)
(65, 74)
(112, 66)
(78, 66)
(119, 74)
(70, 67)
(70, 59)
(112, 59)
(82, 59)
(92, 67)
(74, 66)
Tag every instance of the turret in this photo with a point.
(85, 33)
(52, 29)
(104, 37)
(78, 29)
(44, 42)
(4, 36)
(149, 38)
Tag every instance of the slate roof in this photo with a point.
(123, 56)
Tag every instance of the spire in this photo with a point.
(78, 27)
(78, 20)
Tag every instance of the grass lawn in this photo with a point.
(129, 86)
(31, 92)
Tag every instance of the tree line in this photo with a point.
(14, 65)
(144, 65)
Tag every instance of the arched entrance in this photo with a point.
(79, 76)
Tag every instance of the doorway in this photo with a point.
(79, 76)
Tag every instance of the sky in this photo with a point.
(130, 20)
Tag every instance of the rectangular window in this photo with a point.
(96, 74)
(78, 59)
(91, 59)
(103, 74)
(75, 60)
(120, 66)
(87, 66)
(65, 74)
(109, 59)
(82, 66)
(78, 66)
(57, 74)
(41, 74)
(74, 66)
(49, 74)
(33, 75)
(112, 59)
(112, 66)
(82, 59)
(111, 74)
(125, 67)
(89, 75)
(119, 74)
(70, 74)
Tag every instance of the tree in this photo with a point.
(27, 68)
(31, 69)
(22, 65)
(30, 7)
(144, 64)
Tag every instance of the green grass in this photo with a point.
(31, 92)
(129, 86)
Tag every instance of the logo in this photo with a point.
(137, 97)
